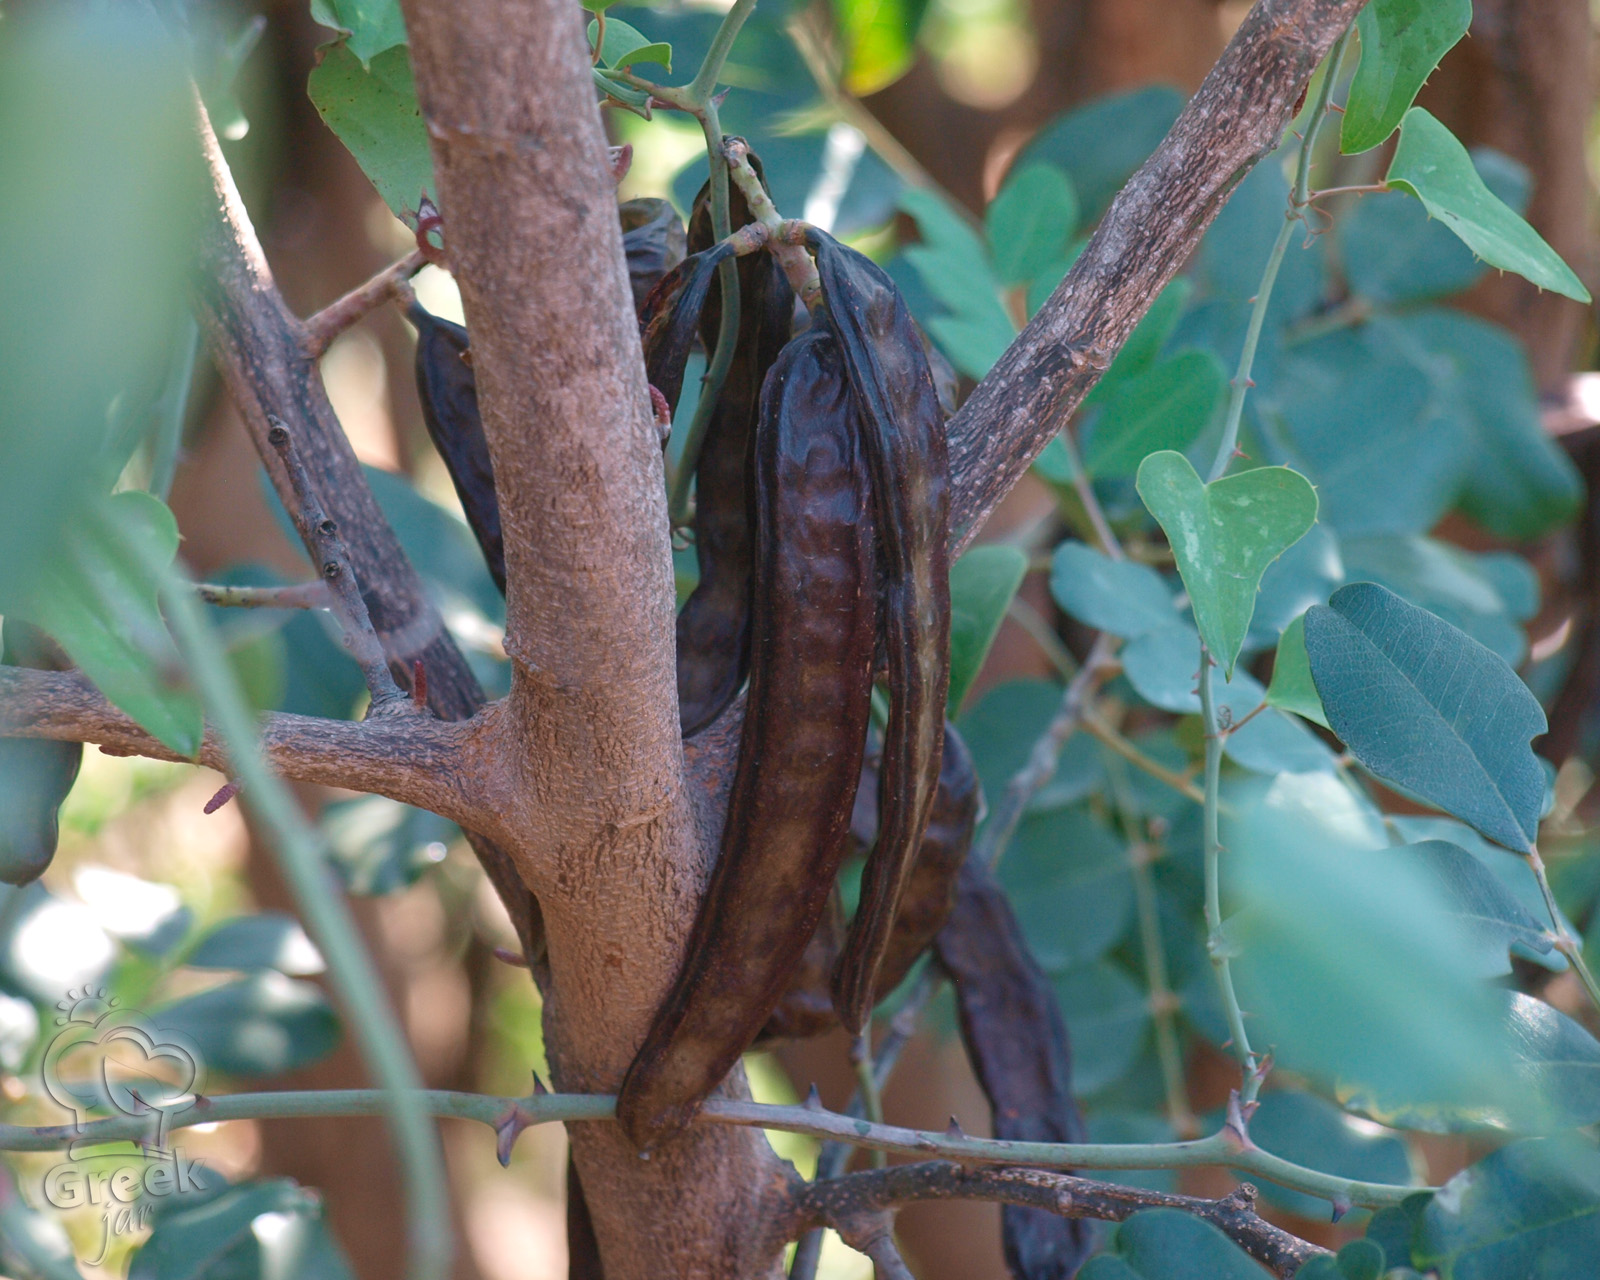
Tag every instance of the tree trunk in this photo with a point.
(612, 847)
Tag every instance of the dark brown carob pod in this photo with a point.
(449, 394)
(652, 242)
(1017, 1043)
(35, 773)
(904, 443)
(930, 891)
(807, 1007)
(800, 748)
(670, 317)
(713, 628)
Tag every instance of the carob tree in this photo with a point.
(667, 845)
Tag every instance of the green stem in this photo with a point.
(1216, 941)
(727, 329)
(704, 84)
(1565, 943)
(867, 1086)
(1269, 277)
(1219, 1149)
(322, 904)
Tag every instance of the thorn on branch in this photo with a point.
(321, 538)
(224, 794)
(509, 1127)
(429, 221)
(513, 958)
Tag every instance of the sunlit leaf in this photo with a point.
(1432, 165)
(1224, 535)
(369, 26)
(1401, 43)
(373, 110)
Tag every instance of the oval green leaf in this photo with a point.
(1120, 596)
(1165, 407)
(982, 584)
(1428, 707)
(1168, 1244)
(1030, 221)
(373, 110)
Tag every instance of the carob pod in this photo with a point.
(652, 242)
(713, 628)
(670, 316)
(930, 895)
(800, 746)
(1017, 1042)
(449, 394)
(35, 773)
(904, 442)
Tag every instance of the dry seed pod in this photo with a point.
(1017, 1043)
(713, 628)
(806, 1008)
(670, 316)
(904, 443)
(652, 242)
(449, 394)
(800, 748)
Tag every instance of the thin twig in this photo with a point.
(1043, 634)
(1564, 942)
(333, 562)
(1218, 1150)
(1109, 737)
(296, 595)
(857, 1195)
(1084, 487)
(319, 330)
(1046, 753)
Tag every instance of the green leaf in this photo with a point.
(1068, 879)
(1354, 968)
(1488, 913)
(1168, 1244)
(373, 110)
(1291, 687)
(269, 940)
(1144, 344)
(597, 6)
(1426, 706)
(210, 1233)
(1120, 596)
(380, 845)
(879, 38)
(626, 45)
(1433, 166)
(96, 245)
(1165, 407)
(1102, 142)
(1224, 535)
(262, 1025)
(1030, 221)
(368, 26)
(982, 584)
(1313, 1132)
(1529, 1209)
(99, 603)
(1363, 1260)
(1108, 1014)
(1519, 482)
(953, 265)
(1558, 1068)
(1401, 43)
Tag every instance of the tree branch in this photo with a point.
(847, 1201)
(269, 366)
(444, 766)
(321, 329)
(1237, 117)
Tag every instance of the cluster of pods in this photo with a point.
(821, 531)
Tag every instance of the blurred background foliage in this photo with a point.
(1447, 415)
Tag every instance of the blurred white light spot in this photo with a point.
(123, 905)
(840, 155)
(61, 945)
(434, 851)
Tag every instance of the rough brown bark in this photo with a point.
(611, 844)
